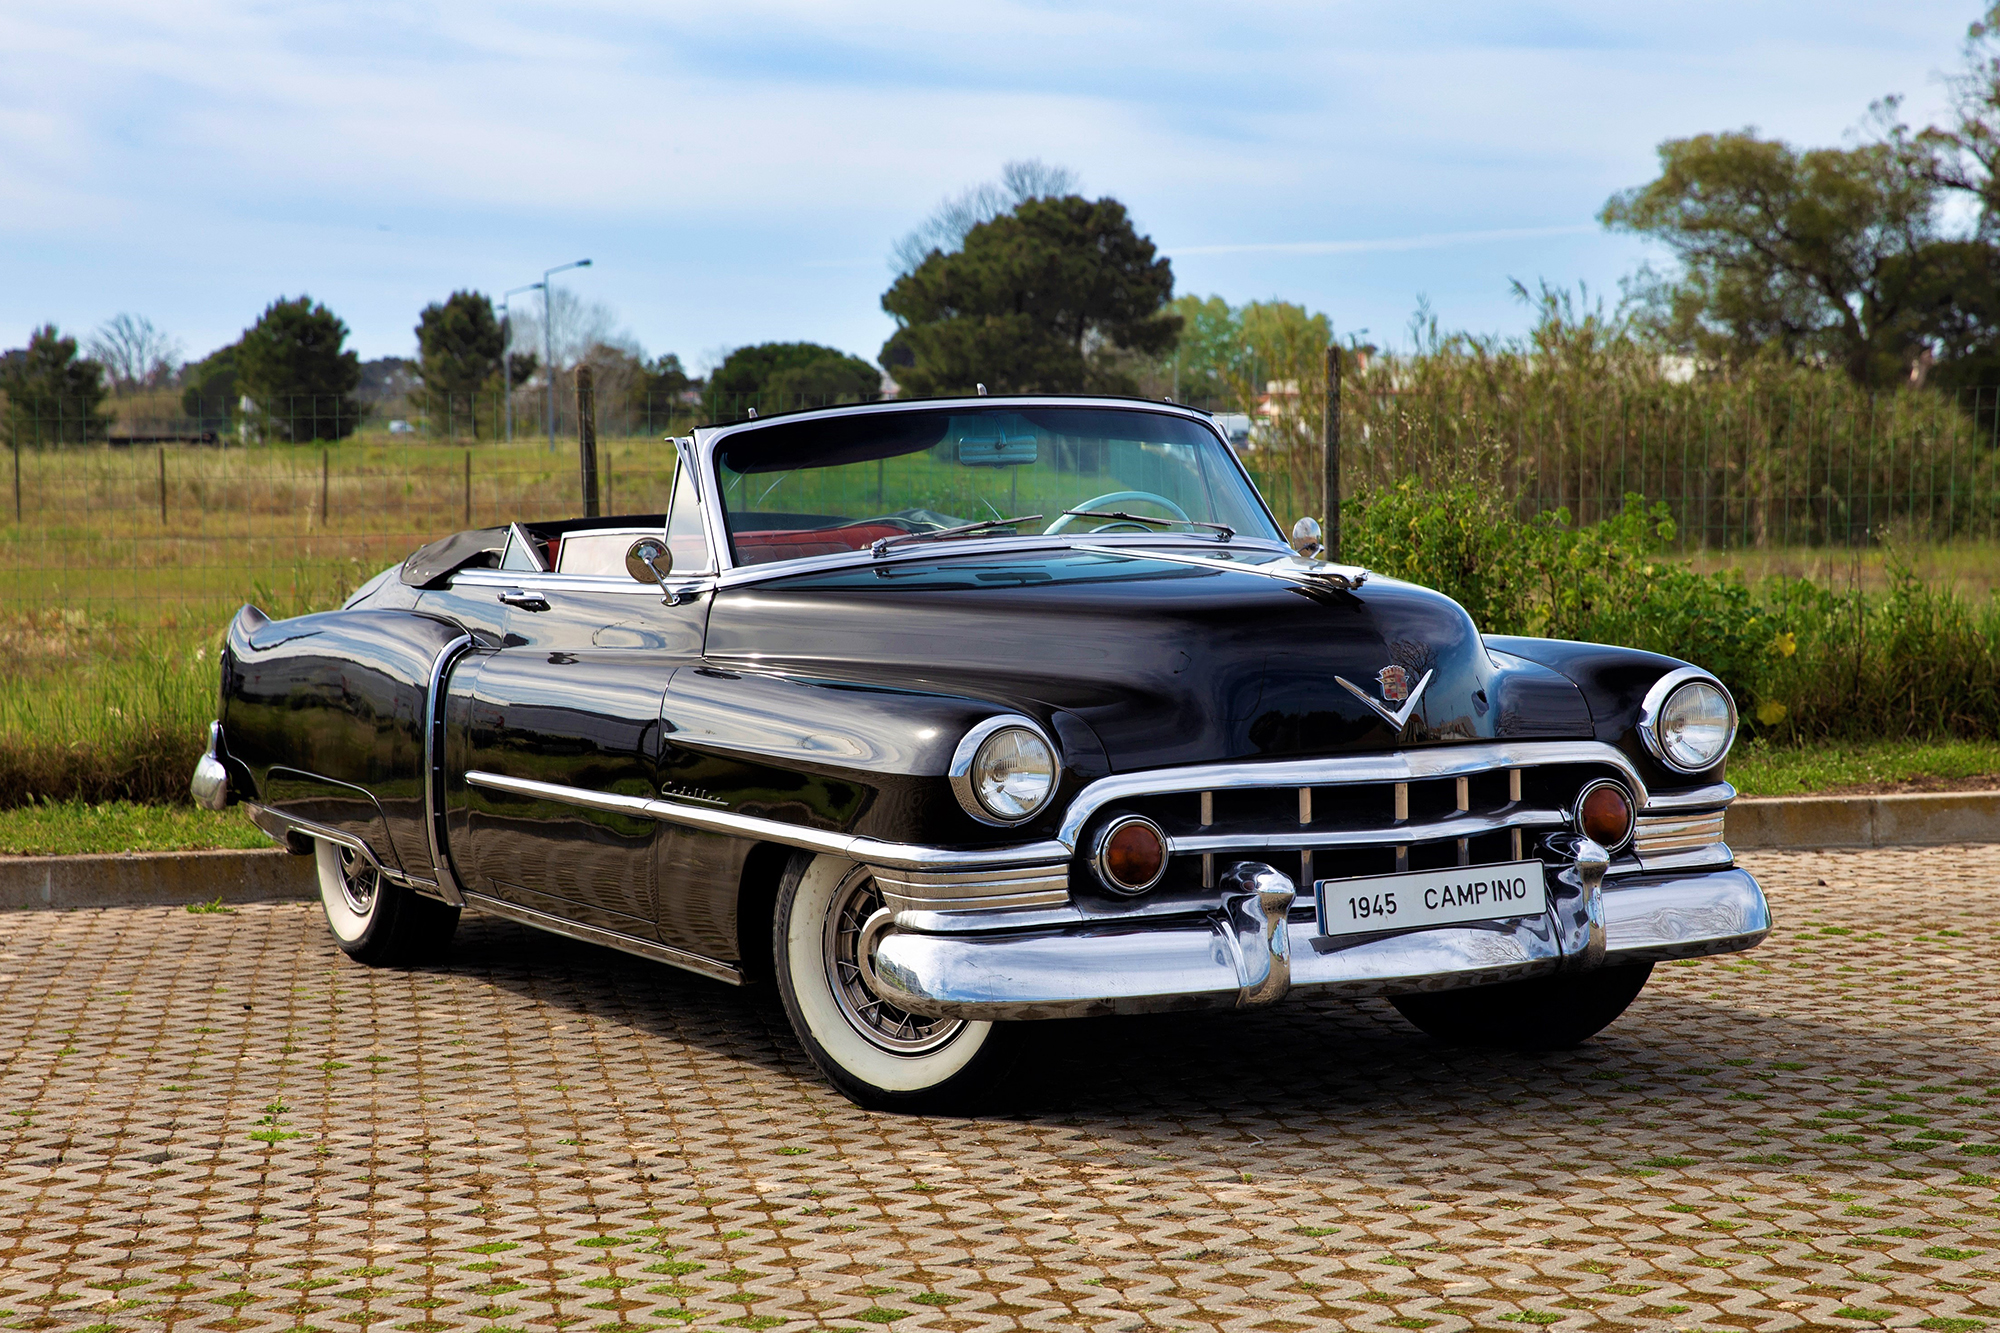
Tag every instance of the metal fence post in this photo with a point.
(324, 469)
(163, 485)
(468, 488)
(1330, 534)
(586, 436)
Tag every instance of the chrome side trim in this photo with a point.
(610, 939)
(894, 855)
(1696, 798)
(949, 891)
(434, 807)
(1656, 699)
(1443, 761)
(1655, 835)
(313, 829)
(1440, 830)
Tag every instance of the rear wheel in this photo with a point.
(1538, 1014)
(829, 914)
(376, 922)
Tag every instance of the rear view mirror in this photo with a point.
(1307, 539)
(997, 441)
(649, 561)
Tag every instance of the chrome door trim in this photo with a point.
(434, 776)
(894, 855)
(503, 580)
(610, 939)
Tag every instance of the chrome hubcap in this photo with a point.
(849, 945)
(358, 882)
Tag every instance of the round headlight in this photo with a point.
(1696, 726)
(1009, 775)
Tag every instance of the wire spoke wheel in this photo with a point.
(885, 1026)
(359, 881)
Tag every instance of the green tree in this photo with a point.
(53, 396)
(459, 345)
(1057, 295)
(208, 388)
(777, 377)
(293, 365)
(1820, 254)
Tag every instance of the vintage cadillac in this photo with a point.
(947, 715)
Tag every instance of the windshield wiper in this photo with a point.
(1223, 532)
(882, 545)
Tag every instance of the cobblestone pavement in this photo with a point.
(217, 1121)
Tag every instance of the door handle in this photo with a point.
(527, 601)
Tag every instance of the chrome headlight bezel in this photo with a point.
(965, 786)
(1653, 710)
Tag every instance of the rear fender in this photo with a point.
(327, 715)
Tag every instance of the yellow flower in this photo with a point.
(1785, 644)
(1770, 713)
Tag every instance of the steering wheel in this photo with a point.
(1119, 497)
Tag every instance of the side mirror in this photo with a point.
(1306, 538)
(649, 561)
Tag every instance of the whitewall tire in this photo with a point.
(373, 921)
(877, 1054)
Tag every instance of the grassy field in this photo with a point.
(71, 828)
(1872, 767)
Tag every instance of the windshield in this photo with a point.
(805, 488)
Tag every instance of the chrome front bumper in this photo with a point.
(1250, 951)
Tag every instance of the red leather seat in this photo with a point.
(761, 548)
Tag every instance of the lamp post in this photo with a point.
(549, 345)
(507, 352)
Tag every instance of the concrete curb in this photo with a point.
(1920, 819)
(1925, 819)
(143, 878)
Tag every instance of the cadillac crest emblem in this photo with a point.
(1395, 683)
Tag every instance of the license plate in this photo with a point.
(1430, 898)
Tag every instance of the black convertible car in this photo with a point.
(949, 714)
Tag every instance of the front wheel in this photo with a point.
(375, 922)
(1538, 1014)
(829, 913)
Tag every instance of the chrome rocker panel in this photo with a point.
(1249, 952)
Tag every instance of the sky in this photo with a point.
(738, 172)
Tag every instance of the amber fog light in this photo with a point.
(1131, 855)
(1604, 814)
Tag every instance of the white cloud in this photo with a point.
(729, 165)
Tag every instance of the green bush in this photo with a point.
(1804, 661)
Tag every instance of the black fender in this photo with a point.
(1614, 682)
(836, 755)
(326, 716)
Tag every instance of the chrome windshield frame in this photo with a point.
(729, 573)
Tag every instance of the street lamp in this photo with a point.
(507, 352)
(549, 345)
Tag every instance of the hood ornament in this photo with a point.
(1394, 682)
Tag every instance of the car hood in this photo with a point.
(1166, 663)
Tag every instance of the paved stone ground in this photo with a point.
(217, 1121)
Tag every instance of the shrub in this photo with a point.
(1804, 661)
